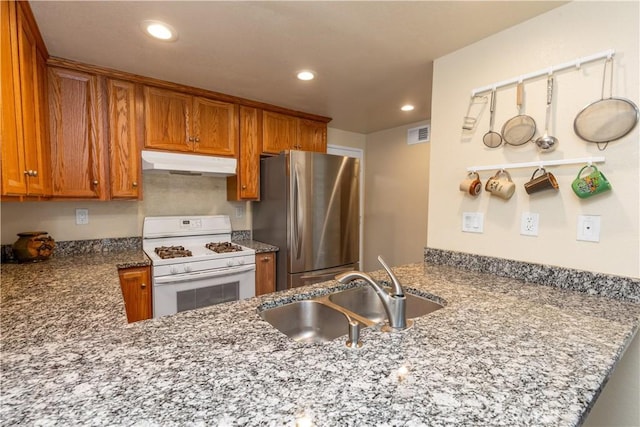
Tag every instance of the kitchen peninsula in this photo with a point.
(501, 352)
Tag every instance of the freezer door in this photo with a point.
(323, 211)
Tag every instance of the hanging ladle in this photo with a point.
(547, 143)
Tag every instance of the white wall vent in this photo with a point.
(419, 134)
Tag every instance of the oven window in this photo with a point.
(210, 295)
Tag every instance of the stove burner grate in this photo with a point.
(223, 247)
(166, 252)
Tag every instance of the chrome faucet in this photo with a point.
(394, 302)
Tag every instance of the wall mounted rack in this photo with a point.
(545, 71)
(538, 164)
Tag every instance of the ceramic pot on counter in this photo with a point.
(33, 246)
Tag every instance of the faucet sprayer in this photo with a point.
(394, 302)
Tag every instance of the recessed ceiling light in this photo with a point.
(306, 75)
(407, 107)
(159, 30)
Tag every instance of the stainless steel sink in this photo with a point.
(308, 321)
(327, 317)
(365, 302)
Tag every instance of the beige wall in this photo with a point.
(164, 194)
(345, 138)
(563, 34)
(397, 180)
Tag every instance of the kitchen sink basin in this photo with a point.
(327, 317)
(365, 302)
(307, 321)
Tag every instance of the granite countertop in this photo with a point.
(501, 353)
(259, 247)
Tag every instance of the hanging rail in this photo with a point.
(545, 71)
(540, 164)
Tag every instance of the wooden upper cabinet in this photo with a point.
(245, 185)
(176, 121)
(77, 136)
(279, 132)
(25, 154)
(312, 136)
(124, 152)
(283, 132)
(215, 127)
(167, 116)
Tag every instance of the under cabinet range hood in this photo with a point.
(187, 164)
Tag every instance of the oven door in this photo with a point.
(181, 292)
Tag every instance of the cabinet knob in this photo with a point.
(143, 285)
(265, 259)
(95, 182)
(191, 139)
(134, 183)
(244, 187)
(197, 139)
(28, 173)
(34, 173)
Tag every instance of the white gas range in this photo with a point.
(195, 264)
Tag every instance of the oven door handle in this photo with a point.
(184, 277)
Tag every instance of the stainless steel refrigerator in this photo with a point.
(309, 207)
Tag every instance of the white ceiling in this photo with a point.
(370, 57)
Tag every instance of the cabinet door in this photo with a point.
(27, 151)
(167, 116)
(279, 132)
(312, 136)
(14, 179)
(245, 185)
(265, 273)
(76, 119)
(136, 292)
(124, 153)
(215, 127)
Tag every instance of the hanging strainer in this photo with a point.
(492, 139)
(520, 129)
(608, 119)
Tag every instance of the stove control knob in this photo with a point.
(240, 261)
(188, 269)
(229, 263)
(173, 270)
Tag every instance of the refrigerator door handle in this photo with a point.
(297, 212)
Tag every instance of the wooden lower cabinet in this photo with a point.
(136, 292)
(265, 273)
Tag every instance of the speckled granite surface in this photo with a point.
(259, 247)
(626, 288)
(500, 353)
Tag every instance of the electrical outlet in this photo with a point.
(473, 222)
(82, 216)
(239, 211)
(529, 224)
(588, 228)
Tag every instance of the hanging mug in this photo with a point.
(591, 184)
(472, 184)
(544, 181)
(501, 185)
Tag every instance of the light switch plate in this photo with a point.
(473, 222)
(588, 228)
(82, 216)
